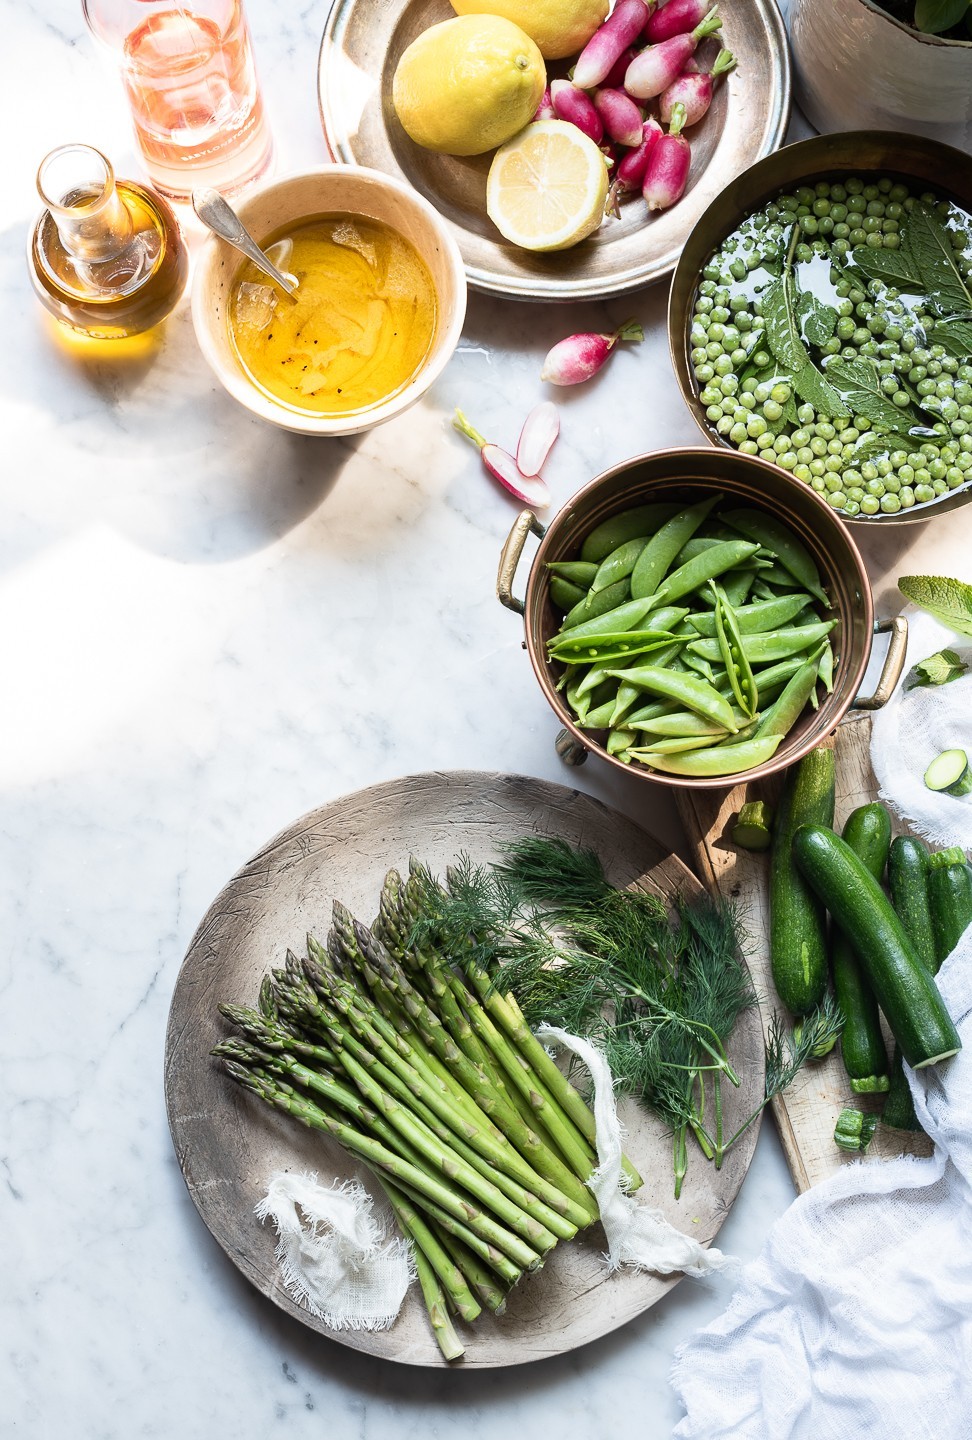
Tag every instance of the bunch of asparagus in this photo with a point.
(432, 1079)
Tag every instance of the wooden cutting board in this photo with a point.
(807, 1112)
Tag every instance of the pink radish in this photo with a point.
(577, 358)
(545, 110)
(573, 105)
(620, 29)
(694, 89)
(660, 66)
(632, 169)
(540, 429)
(502, 467)
(614, 79)
(678, 17)
(620, 114)
(668, 165)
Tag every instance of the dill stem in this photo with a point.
(697, 1026)
(719, 1147)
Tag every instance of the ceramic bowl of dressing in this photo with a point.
(377, 316)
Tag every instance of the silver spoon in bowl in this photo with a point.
(219, 216)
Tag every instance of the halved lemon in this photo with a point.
(547, 187)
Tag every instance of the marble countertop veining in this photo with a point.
(208, 627)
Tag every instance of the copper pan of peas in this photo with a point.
(695, 615)
(820, 319)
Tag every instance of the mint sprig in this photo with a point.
(948, 600)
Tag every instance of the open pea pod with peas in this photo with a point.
(688, 679)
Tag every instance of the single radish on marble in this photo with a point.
(577, 358)
(651, 72)
(668, 166)
(620, 30)
(532, 490)
(694, 89)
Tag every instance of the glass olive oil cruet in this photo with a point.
(106, 257)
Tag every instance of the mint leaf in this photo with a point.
(819, 320)
(956, 336)
(928, 247)
(938, 669)
(860, 386)
(948, 600)
(934, 17)
(782, 331)
(894, 267)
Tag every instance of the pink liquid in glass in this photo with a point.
(192, 87)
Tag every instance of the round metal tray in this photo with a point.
(229, 1144)
(363, 40)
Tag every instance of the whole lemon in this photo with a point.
(559, 27)
(469, 84)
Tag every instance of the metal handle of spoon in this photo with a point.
(220, 217)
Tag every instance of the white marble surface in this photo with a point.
(207, 627)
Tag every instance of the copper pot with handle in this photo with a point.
(683, 477)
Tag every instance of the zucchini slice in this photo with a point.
(950, 771)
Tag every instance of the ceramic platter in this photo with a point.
(363, 40)
(229, 1144)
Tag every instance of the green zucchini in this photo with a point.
(909, 896)
(753, 826)
(868, 833)
(798, 934)
(950, 772)
(950, 902)
(904, 989)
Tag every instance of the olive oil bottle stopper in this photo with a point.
(106, 257)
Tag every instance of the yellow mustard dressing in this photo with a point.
(356, 330)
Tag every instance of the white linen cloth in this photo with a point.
(335, 1253)
(637, 1234)
(914, 727)
(855, 1322)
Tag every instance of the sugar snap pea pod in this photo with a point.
(674, 745)
(619, 742)
(658, 555)
(769, 676)
(611, 622)
(747, 732)
(772, 534)
(774, 645)
(678, 723)
(826, 672)
(578, 703)
(628, 695)
(700, 666)
(564, 594)
(599, 717)
(642, 520)
(733, 652)
(786, 710)
(707, 566)
(670, 617)
(650, 712)
(618, 565)
(605, 600)
(762, 591)
(719, 760)
(692, 691)
(597, 649)
(753, 619)
(696, 546)
(738, 583)
(578, 572)
(599, 675)
(779, 578)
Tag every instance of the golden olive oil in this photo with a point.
(356, 330)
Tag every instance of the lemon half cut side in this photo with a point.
(547, 187)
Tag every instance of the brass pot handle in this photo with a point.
(524, 523)
(893, 663)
